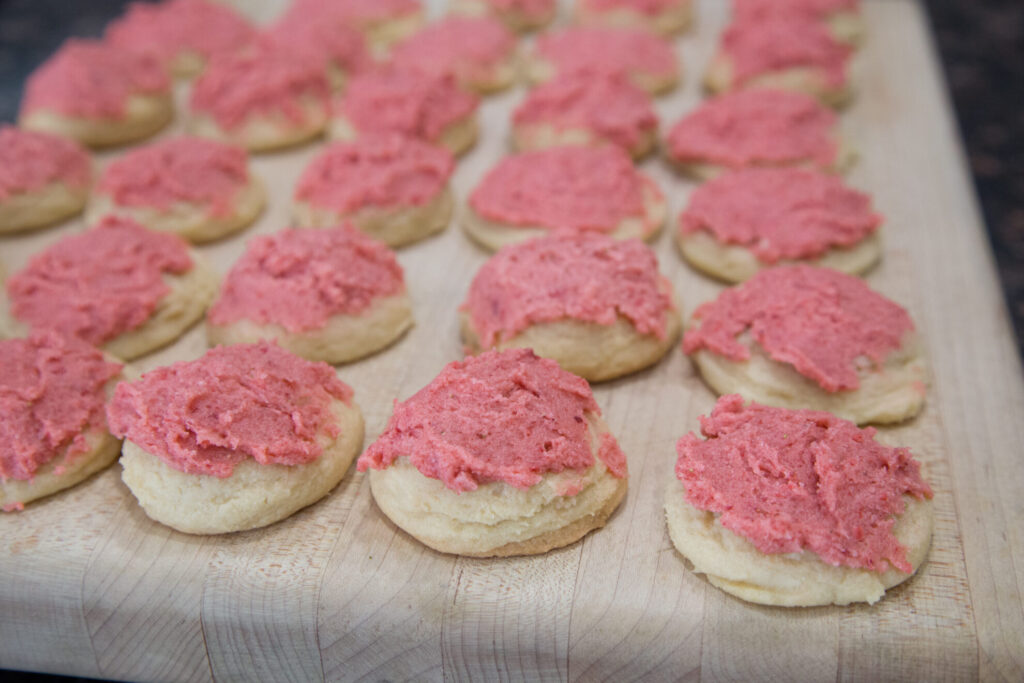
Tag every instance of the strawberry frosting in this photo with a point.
(801, 480)
(756, 127)
(263, 82)
(531, 9)
(819, 321)
(361, 14)
(608, 106)
(501, 416)
(184, 169)
(169, 29)
(816, 9)
(780, 213)
(466, 48)
(648, 7)
(577, 188)
(30, 161)
(52, 392)
(390, 100)
(604, 50)
(387, 170)
(91, 79)
(97, 284)
(320, 41)
(300, 278)
(586, 277)
(235, 403)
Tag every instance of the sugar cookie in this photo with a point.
(328, 43)
(797, 507)
(501, 454)
(665, 17)
(238, 439)
(842, 17)
(518, 15)
(383, 22)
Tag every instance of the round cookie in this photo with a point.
(390, 100)
(664, 17)
(842, 17)
(183, 34)
(43, 179)
(393, 188)
(238, 439)
(97, 94)
(333, 295)
(586, 109)
(118, 286)
(329, 44)
(53, 394)
(757, 128)
(597, 306)
(263, 99)
(479, 53)
(784, 52)
(593, 189)
(807, 337)
(193, 187)
(747, 220)
(501, 454)
(648, 61)
(383, 22)
(518, 15)
(765, 505)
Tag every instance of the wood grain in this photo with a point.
(90, 586)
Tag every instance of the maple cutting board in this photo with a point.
(90, 586)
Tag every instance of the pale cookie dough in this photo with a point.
(664, 17)
(509, 456)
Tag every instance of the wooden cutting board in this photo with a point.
(90, 586)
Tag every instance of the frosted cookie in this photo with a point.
(480, 53)
(518, 15)
(665, 17)
(797, 507)
(649, 62)
(193, 187)
(391, 187)
(238, 439)
(97, 94)
(501, 454)
(263, 99)
(593, 189)
(383, 22)
(43, 179)
(807, 337)
(118, 286)
(595, 305)
(750, 219)
(757, 128)
(842, 17)
(333, 295)
(784, 52)
(183, 34)
(330, 44)
(53, 394)
(586, 109)
(390, 100)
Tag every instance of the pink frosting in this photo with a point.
(817, 9)
(96, 284)
(578, 188)
(649, 7)
(464, 47)
(30, 161)
(300, 278)
(237, 402)
(780, 213)
(756, 127)
(531, 9)
(390, 100)
(586, 277)
(796, 480)
(776, 42)
(184, 169)
(52, 392)
(501, 416)
(387, 170)
(175, 27)
(263, 82)
(321, 41)
(614, 50)
(819, 321)
(91, 79)
(608, 106)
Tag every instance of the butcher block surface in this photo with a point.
(90, 586)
